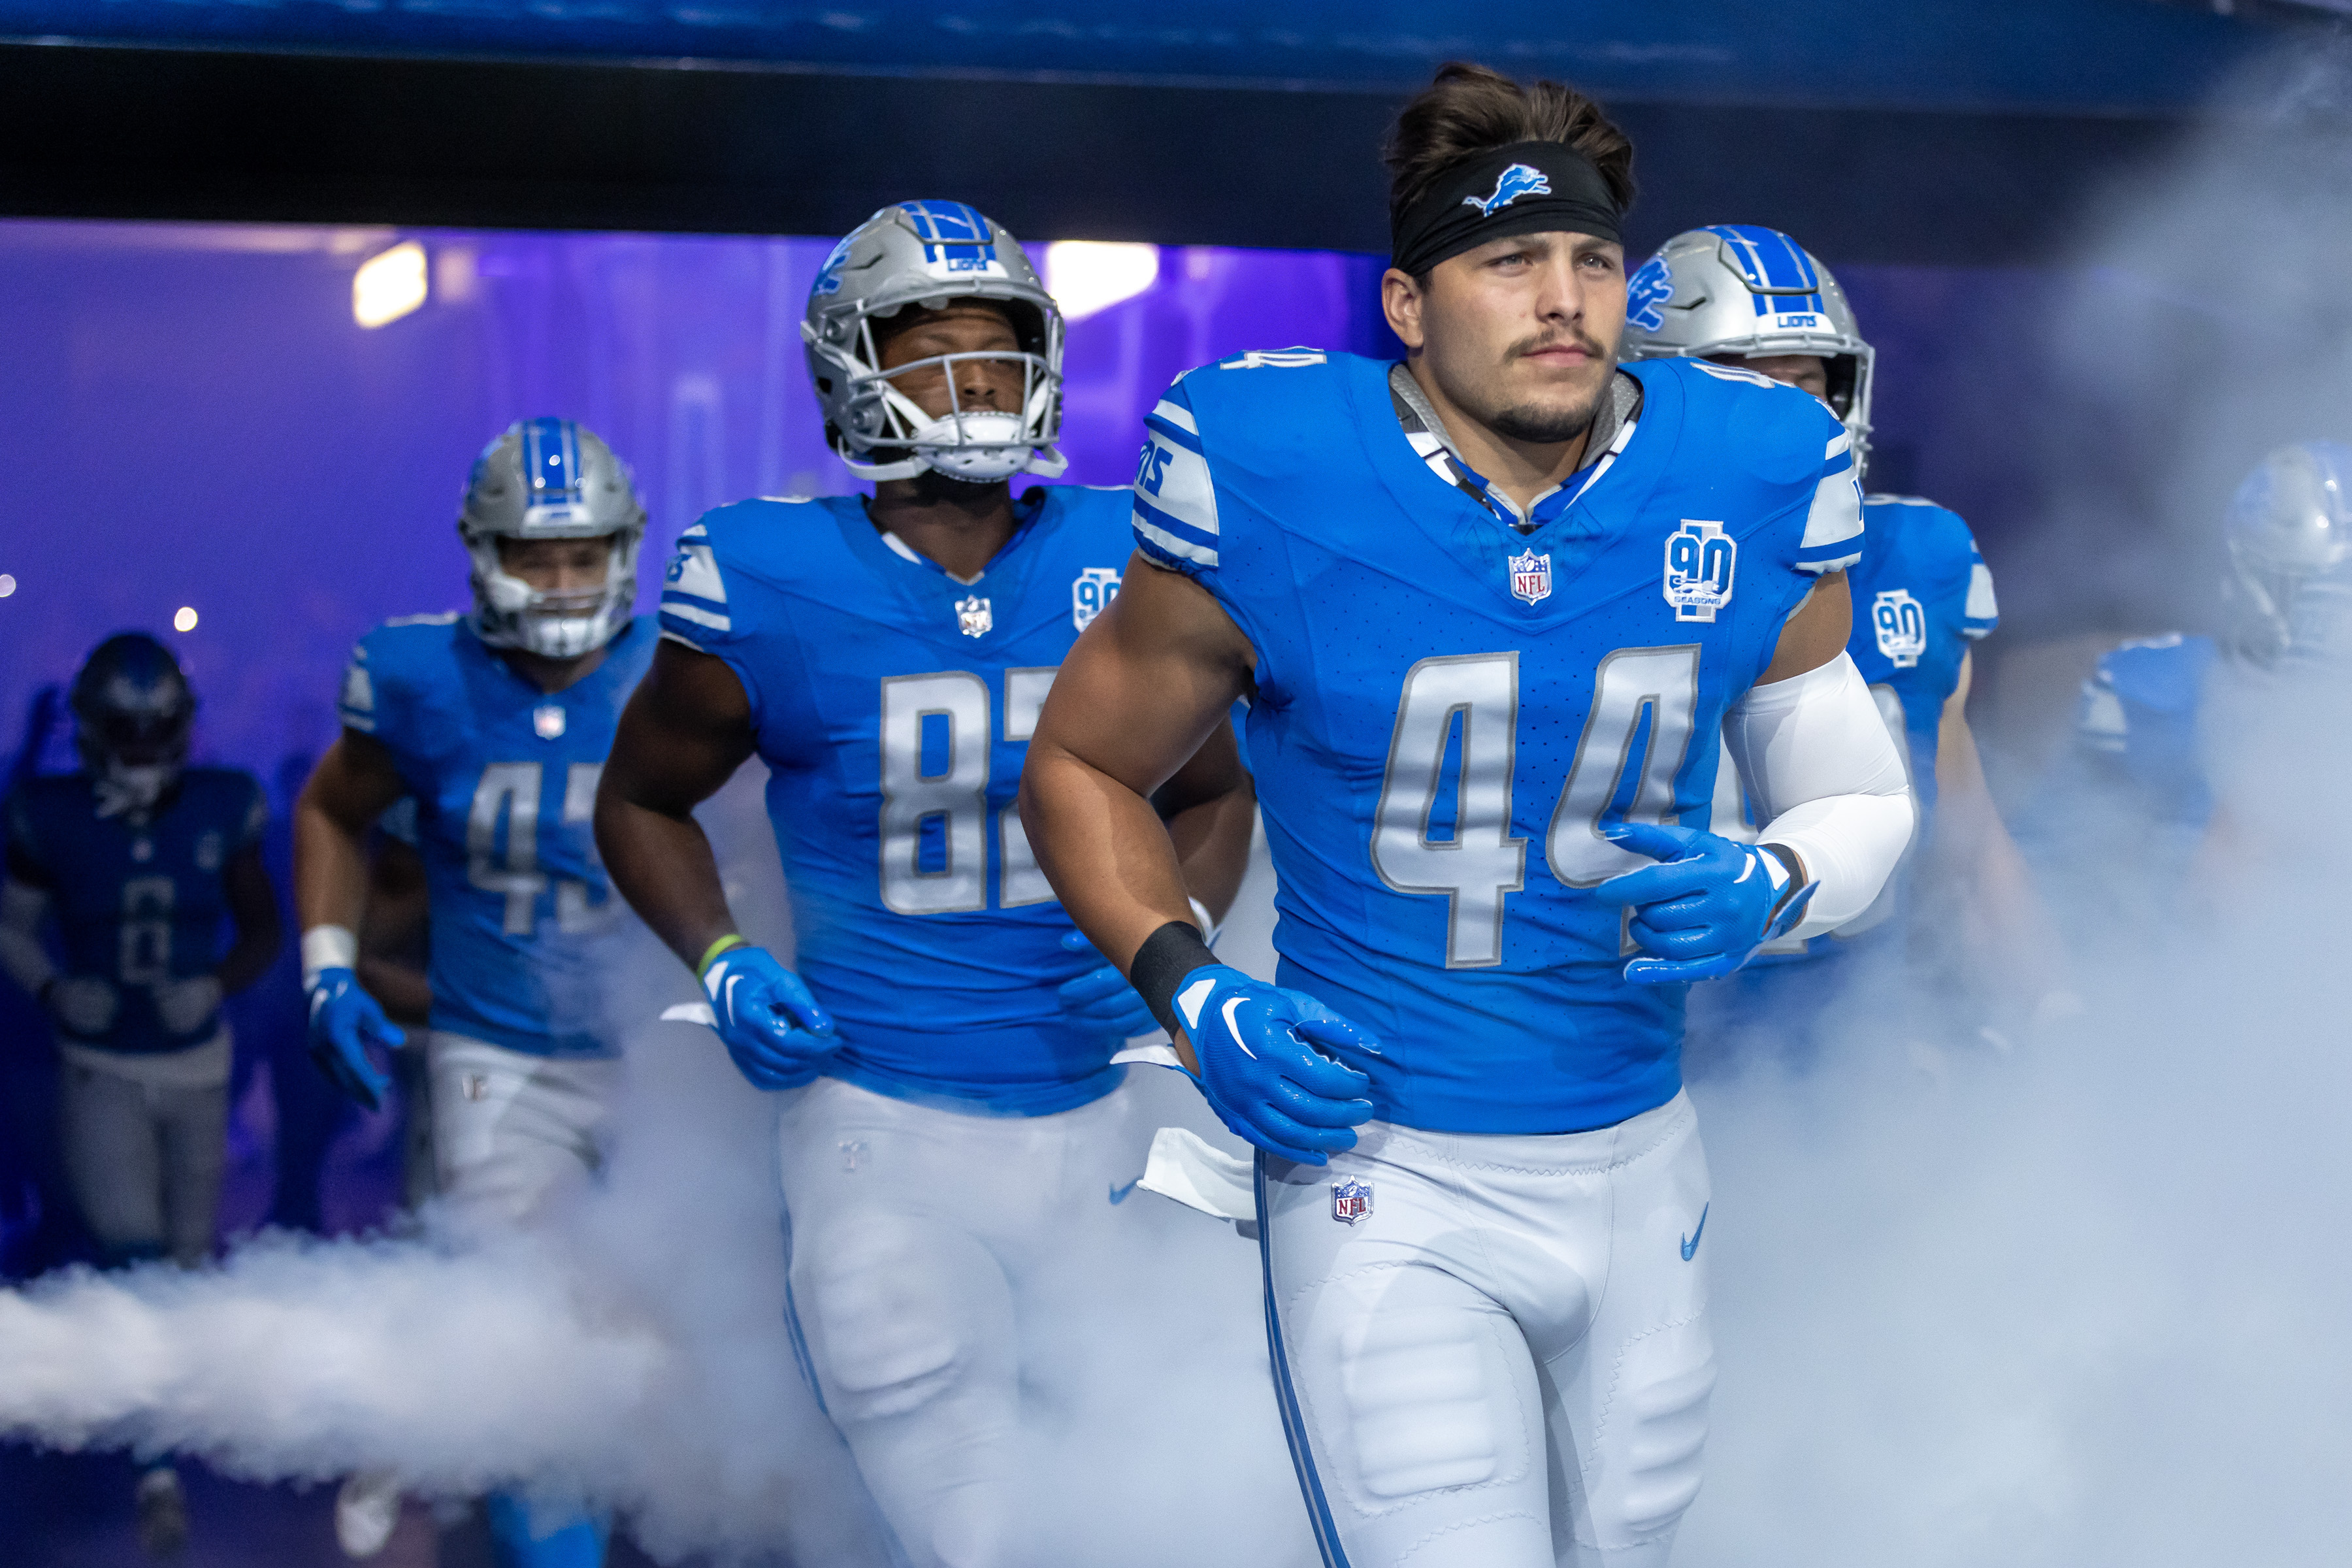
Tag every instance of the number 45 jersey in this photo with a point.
(1448, 711)
(893, 705)
(526, 931)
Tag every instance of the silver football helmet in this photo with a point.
(927, 254)
(2289, 588)
(1742, 288)
(551, 478)
(133, 713)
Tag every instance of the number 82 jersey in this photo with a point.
(1448, 711)
(893, 705)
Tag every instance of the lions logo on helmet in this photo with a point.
(926, 254)
(1740, 290)
(1646, 293)
(551, 478)
(2289, 588)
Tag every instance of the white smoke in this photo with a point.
(631, 1353)
(2082, 1302)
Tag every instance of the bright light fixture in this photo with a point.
(389, 285)
(7, 584)
(1087, 275)
(185, 621)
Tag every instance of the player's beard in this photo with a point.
(1548, 423)
(933, 487)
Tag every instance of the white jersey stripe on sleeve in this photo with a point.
(1981, 610)
(1832, 538)
(681, 610)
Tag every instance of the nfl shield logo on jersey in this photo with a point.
(1901, 623)
(1351, 1200)
(1091, 594)
(1530, 576)
(1700, 560)
(547, 721)
(974, 617)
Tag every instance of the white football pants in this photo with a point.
(1504, 1362)
(969, 1293)
(513, 1132)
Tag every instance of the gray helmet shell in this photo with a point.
(2289, 587)
(927, 254)
(551, 478)
(1744, 289)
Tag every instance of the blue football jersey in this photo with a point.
(2138, 720)
(1922, 594)
(526, 928)
(137, 903)
(1448, 711)
(894, 705)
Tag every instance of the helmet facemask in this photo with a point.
(550, 479)
(563, 623)
(2288, 593)
(933, 256)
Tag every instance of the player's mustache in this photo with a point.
(1546, 341)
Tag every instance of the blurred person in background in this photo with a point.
(1744, 294)
(2161, 720)
(496, 724)
(956, 1140)
(139, 857)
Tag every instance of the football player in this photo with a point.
(956, 1142)
(1744, 294)
(2146, 708)
(139, 856)
(1491, 606)
(497, 723)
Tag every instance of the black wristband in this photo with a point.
(1794, 865)
(1167, 955)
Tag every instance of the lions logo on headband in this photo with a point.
(1517, 181)
(1646, 293)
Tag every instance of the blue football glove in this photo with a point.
(344, 1022)
(1709, 902)
(1260, 1071)
(774, 1028)
(1101, 1000)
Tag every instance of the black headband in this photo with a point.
(1529, 187)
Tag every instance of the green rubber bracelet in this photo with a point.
(709, 954)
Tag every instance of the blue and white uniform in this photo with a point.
(1489, 1317)
(956, 1183)
(528, 934)
(140, 902)
(1922, 597)
(2137, 722)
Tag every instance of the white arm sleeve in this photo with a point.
(1827, 782)
(21, 955)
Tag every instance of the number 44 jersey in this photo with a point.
(1448, 711)
(893, 705)
(526, 929)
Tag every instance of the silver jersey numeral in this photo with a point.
(958, 796)
(1481, 863)
(1660, 684)
(145, 956)
(1024, 699)
(509, 789)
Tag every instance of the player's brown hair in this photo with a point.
(1467, 109)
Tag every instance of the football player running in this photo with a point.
(955, 1139)
(497, 722)
(1491, 608)
(2149, 714)
(1745, 295)
(138, 856)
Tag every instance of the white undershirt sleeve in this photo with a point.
(1826, 781)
